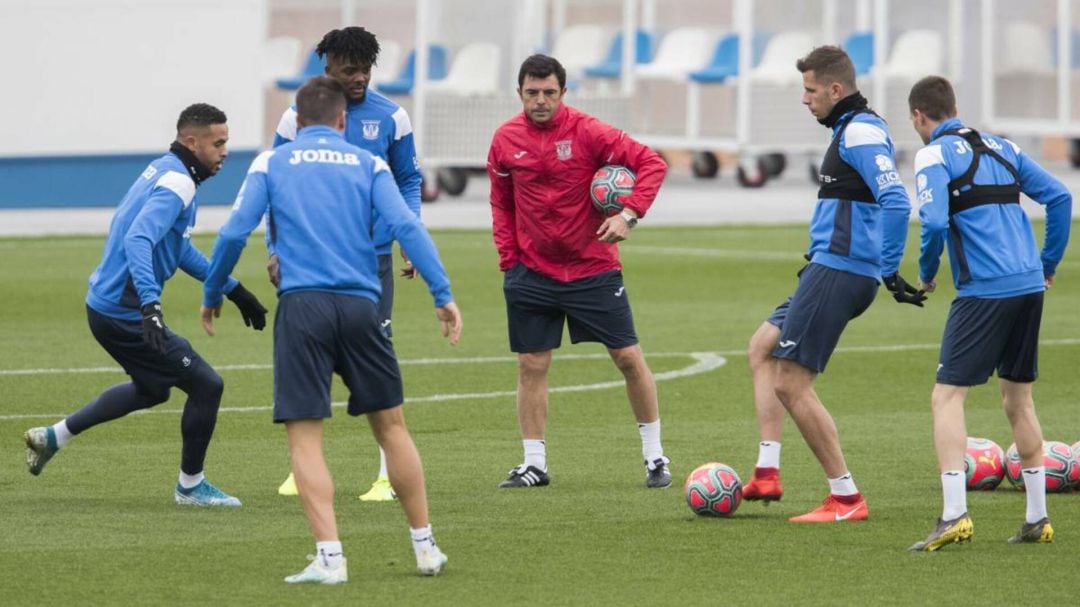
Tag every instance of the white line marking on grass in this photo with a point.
(721, 253)
(403, 362)
(513, 359)
(704, 362)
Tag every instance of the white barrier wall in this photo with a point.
(111, 76)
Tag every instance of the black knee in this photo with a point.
(204, 384)
(148, 396)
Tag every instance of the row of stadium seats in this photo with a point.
(474, 70)
(684, 54)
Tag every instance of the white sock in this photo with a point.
(844, 485)
(382, 464)
(190, 481)
(1035, 486)
(422, 539)
(650, 441)
(954, 489)
(63, 435)
(768, 455)
(329, 554)
(535, 453)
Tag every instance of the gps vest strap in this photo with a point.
(964, 194)
(838, 178)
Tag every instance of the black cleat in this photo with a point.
(526, 476)
(657, 475)
(1039, 532)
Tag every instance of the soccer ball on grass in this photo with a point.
(984, 464)
(713, 489)
(1062, 469)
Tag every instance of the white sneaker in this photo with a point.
(431, 561)
(315, 573)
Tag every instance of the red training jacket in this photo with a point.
(540, 174)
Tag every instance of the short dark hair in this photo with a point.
(200, 114)
(542, 66)
(829, 64)
(320, 101)
(351, 43)
(934, 97)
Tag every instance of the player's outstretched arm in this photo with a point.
(450, 322)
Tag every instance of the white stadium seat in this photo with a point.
(1025, 49)
(681, 51)
(389, 62)
(280, 58)
(578, 47)
(475, 71)
(777, 64)
(916, 53)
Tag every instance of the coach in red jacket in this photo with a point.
(559, 254)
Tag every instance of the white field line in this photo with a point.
(704, 362)
(403, 362)
(513, 359)
(707, 252)
(741, 253)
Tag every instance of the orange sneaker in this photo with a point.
(836, 509)
(764, 485)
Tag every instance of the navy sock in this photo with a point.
(114, 402)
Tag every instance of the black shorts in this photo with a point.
(317, 334)
(386, 299)
(812, 320)
(982, 335)
(151, 371)
(778, 316)
(596, 308)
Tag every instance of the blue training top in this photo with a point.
(381, 127)
(992, 250)
(149, 238)
(321, 194)
(863, 237)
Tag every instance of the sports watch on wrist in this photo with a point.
(630, 220)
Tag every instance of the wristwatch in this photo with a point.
(630, 220)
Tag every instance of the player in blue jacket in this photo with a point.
(969, 186)
(857, 237)
(321, 195)
(382, 127)
(149, 239)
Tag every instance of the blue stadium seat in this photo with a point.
(611, 66)
(403, 84)
(316, 66)
(860, 47)
(725, 61)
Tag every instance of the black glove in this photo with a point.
(805, 256)
(253, 312)
(153, 326)
(902, 292)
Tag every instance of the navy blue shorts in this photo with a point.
(812, 320)
(982, 335)
(776, 319)
(317, 334)
(151, 371)
(595, 308)
(386, 299)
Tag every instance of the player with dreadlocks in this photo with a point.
(381, 127)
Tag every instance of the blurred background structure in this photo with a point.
(94, 86)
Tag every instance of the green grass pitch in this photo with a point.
(99, 525)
